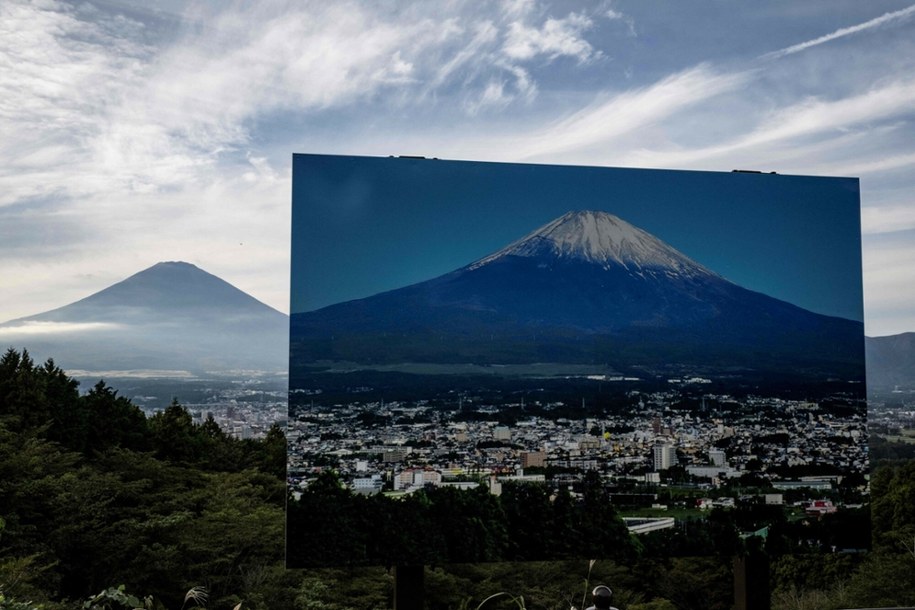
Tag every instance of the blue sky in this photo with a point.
(363, 225)
(130, 136)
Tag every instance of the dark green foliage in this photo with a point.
(93, 494)
(271, 456)
(112, 421)
(893, 506)
(881, 450)
(329, 525)
(812, 571)
(174, 436)
(43, 399)
(115, 598)
(38, 396)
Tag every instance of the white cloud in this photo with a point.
(484, 34)
(31, 329)
(888, 218)
(889, 272)
(515, 9)
(808, 136)
(493, 95)
(59, 74)
(555, 38)
(91, 108)
(814, 115)
(842, 32)
(627, 112)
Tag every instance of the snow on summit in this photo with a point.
(603, 239)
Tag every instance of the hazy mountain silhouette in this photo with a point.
(586, 287)
(171, 316)
(891, 362)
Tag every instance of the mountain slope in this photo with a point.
(170, 316)
(891, 362)
(164, 292)
(586, 287)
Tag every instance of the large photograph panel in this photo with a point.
(516, 362)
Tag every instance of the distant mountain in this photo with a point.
(891, 362)
(171, 316)
(586, 287)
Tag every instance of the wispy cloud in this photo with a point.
(888, 218)
(31, 329)
(800, 136)
(95, 107)
(630, 111)
(555, 38)
(842, 32)
(615, 15)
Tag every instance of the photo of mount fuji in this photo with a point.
(587, 287)
(582, 280)
(495, 349)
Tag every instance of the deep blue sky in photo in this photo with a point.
(363, 225)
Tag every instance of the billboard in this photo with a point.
(497, 362)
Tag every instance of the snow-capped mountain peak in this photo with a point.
(603, 239)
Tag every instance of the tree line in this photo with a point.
(93, 493)
(330, 525)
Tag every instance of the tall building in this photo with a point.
(665, 456)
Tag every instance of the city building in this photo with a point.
(665, 456)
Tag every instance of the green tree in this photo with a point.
(113, 421)
(174, 437)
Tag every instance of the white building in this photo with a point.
(717, 457)
(367, 485)
(416, 477)
(665, 456)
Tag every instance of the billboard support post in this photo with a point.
(751, 582)
(408, 587)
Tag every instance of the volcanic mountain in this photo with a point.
(891, 362)
(587, 287)
(172, 316)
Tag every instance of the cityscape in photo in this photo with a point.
(501, 362)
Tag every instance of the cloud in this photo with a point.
(500, 93)
(814, 115)
(842, 32)
(555, 38)
(96, 104)
(888, 218)
(615, 15)
(889, 272)
(483, 35)
(811, 135)
(627, 112)
(59, 74)
(31, 329)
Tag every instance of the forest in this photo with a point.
(104, 507)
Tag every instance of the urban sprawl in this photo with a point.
(398, 447)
